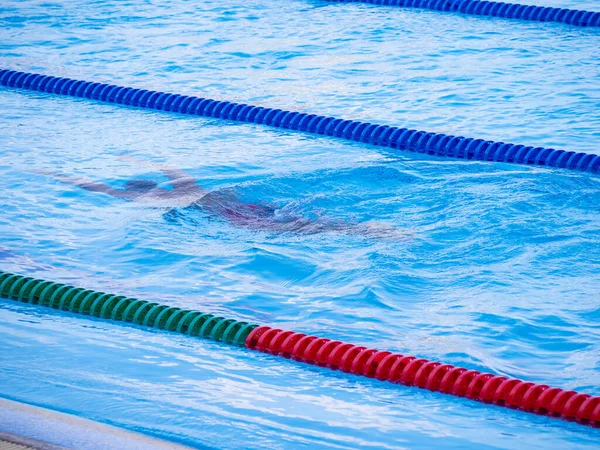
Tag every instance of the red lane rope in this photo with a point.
(432, 375)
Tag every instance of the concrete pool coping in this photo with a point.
(24, 426)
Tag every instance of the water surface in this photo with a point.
(500, 270)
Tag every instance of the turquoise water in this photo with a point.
(497, 266)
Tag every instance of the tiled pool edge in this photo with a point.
(10, 441)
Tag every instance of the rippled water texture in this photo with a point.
(494, 267)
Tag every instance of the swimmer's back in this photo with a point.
(224, 203)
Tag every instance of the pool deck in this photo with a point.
(29, 427)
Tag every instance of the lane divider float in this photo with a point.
(428, 143)
(497, 9)
(323, 352)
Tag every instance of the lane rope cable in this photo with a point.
(323, 352)
(435, 144)
(575, 17)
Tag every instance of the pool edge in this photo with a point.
(46, 429)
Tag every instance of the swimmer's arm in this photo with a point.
(95, 186)
(179, 179)
(90, 185)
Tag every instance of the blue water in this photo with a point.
(497, 266)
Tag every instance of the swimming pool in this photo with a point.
(501, 274)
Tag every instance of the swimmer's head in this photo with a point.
(140, 186)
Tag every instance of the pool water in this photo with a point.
(495, 266)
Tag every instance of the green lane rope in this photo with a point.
(124, 309)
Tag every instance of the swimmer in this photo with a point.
(186, 192)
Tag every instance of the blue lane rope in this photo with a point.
(369, 133)
(497, 9)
